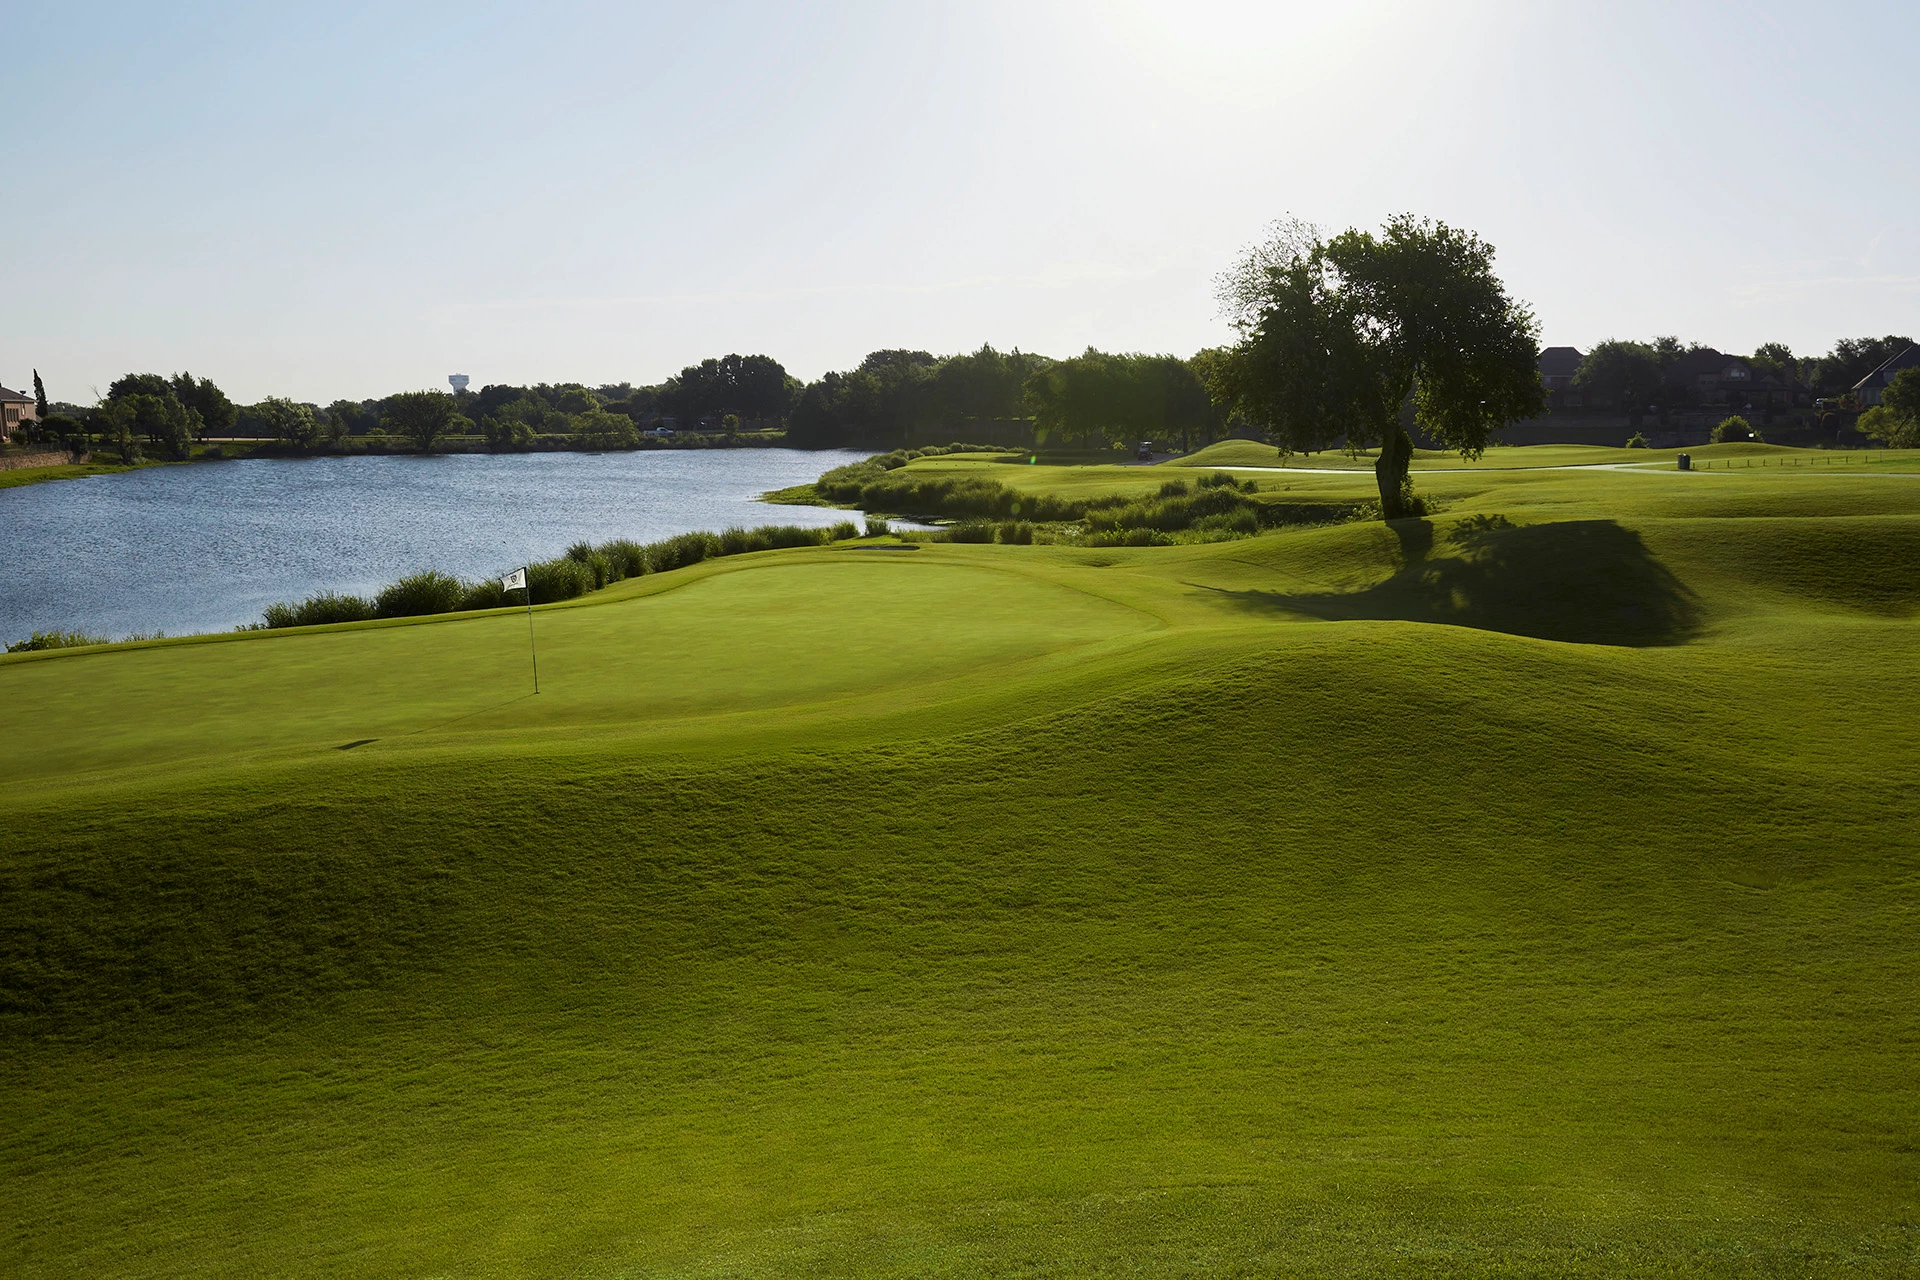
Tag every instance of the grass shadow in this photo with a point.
(1580, 581)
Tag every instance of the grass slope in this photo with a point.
(1529, 891)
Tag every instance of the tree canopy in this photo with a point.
(751, 386)
(285, 420)
(421, 416)
(1122, 398)
(1895, 421)
(1339, 335)
(1621, 375)
(1853, 359)
(217, 413)
(892, 394)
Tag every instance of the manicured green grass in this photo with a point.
(1528, 891)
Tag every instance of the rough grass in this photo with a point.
(1529, 891)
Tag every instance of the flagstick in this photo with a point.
(531, 647)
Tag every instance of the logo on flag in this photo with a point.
(514, 581)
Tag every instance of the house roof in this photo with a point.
(1701, 362)
(14, 396)
(1908, 359)
(1559, 362)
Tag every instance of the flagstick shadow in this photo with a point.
(470, 715)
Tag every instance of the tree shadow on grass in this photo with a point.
(1581, 581)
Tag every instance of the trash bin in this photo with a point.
(1686, 462)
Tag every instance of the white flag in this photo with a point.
(514, 581)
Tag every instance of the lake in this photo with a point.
(208, 546)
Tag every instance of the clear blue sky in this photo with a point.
(352, 199)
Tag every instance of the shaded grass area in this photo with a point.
(1584, 581)
(1023, 910)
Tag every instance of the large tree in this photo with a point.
(751, 386)
(421, 416)
(217, 413)
(1620, 375)
(1121, 397)
(1853, 359)
(1339, 336)
(1895, 420)
(41, 410)
(1775, 359)
(139, 384)
(286, 420)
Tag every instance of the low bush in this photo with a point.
(487, 593)
(1173, 513)
(1637, 441)
(55, 640)
(1732, 429)
(1129, 538)
(585, 567)
(429, 591)
(970, 531)
(319, 610)
(626, 558)
(1221, 480)
(561, 579)
(1015, 532)
(877, 527)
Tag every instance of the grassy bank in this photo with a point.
(1525, 891)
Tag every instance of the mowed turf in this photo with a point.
(1527, 891)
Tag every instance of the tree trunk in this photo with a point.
(1390, 473)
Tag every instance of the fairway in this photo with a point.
(1531, 890)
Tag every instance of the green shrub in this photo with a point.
(970, 531)
(1015, 532)
(585, 567)
(682, 550)
(1221, 480)
(877, 527)
(1171, 514)
(627, 557)
(429, 591)
(487, 593)
(561, 579)
(1734, 428)
(1242, 521)
(1638, 441)
(55, 640)
(1129, 538)
(1176, 488)
(319, 610)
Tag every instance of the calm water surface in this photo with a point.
(208, 546)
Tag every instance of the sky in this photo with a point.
(351, 199)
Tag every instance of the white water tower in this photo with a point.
(459, 381)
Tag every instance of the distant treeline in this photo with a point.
(1659, 374)
(890, 399)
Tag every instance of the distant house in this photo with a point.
(14, 410)
(1557, 367)
(1867, 390)
(1709, 377)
